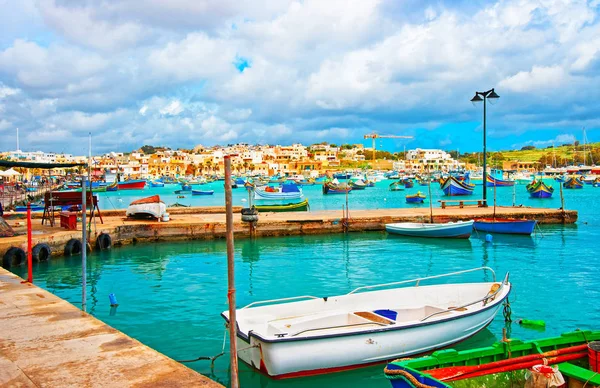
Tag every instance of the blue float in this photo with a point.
(488, 238)
(113, 300)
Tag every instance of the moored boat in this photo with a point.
(491, 182)
(284, 338)
(133, 184)
(157, 184)
(416, 198)
(286, 191)
(503, 364)
(504, 226)
(203, 192)
(112, 187)
(288, 207)
(538, 189)
(573, 183)
(186, 187)
(358, 185)
(397, 186)
(596, 182)
(451, 186)
(336, 188)
(459, 229)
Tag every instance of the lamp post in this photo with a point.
(483, 96)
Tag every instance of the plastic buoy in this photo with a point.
(531, 322)
(489, 238)
(113, 300)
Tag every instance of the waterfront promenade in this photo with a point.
(47, 342)
(196, 223)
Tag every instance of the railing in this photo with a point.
(484, 299)
(338, 327)
(280, 300)
(418, 280)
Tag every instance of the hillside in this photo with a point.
(563, 155)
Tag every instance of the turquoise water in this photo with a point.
(378, 197)
(171, 294)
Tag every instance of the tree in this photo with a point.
(576, 143)
(333, 145)
(346, 146)
(527, 148)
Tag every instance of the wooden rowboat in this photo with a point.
(291, 337)
(288, 207)
(459, 229)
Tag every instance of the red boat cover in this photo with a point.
(152, 199)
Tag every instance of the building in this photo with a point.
(516, 165)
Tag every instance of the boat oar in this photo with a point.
(457, 371)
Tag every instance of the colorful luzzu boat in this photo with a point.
(291, 337)
(596, 182)
(453, 187)
(507, 363)
(491, 182)
(133, 184)
(538, 189)
(573, 183)
(415, 198)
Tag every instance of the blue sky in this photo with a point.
(181, 73)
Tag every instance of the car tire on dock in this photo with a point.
(13, 257)
(41, 252)
(73, 247)
(104, 242)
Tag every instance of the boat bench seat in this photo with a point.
(461, 202)
(578, 373)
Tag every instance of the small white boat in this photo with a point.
(286, 191)
(323, 335)
(459, 229)
(147, 207)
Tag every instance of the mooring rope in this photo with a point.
(207, 358)
(399, 373)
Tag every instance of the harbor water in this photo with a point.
(171, 294)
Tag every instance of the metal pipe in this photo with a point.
(29, 245)
(484, 153)
(234, 383)
(83, 244)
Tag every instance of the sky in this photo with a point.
(179, 73)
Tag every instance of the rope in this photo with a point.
(394, 374)
(588, 380)
(207, 358)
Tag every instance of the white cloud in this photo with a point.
(539, 78)
(143, 110)
(5, 91)
(173, 108)
(557, 141)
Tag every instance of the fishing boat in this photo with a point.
(573, 183)
(504, 226)
(285, 191)
(370, 183)
(409, 183)
(491, 182)
(538, 189)
(358, 185)
(203, 192)
(560, 178)
(35, 207)
(147, 207)
(397, 186)
(186, 187)
(596, 182)
(422, 181)
(157, 184)
(451, 186)
(112, 187)
(133, 184)
(415, 198)
(291, 337)
(288, 207)
(503, 364)
(342, 175)
(459, 229)
(99, 189)
(336, 188)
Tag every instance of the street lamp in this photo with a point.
(483, 96)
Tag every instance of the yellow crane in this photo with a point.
(374, 136)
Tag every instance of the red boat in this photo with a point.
(138, 184)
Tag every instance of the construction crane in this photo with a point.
(375, 136)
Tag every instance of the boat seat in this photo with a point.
(373, 317)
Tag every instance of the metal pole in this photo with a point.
(29, 245)
(234, 383)
(484, 154)
(83, 244)
(430, 199)
(90, 175)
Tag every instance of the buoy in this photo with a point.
(113, 300)
(489, 238)
(537, 323)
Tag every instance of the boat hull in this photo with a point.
(290, 207)
(203, 192)
(491, 182)
(132, 185)
(452, 230)
(289, 359)
(453, 187)
(524, 227)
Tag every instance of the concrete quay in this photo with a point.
(194, 223)
(47, 342)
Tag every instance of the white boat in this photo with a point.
(150, 206)
(286, 338)
(459, 229)
(286, 191)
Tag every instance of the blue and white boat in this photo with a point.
(459, 229)
(203, 192)
(157, 183)
(453, 187)
(285, 191)
(186, 187)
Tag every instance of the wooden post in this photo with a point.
(29, 245)
(83, 244)
(234, 383)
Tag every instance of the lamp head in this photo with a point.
(476, 99)
(493, 95)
